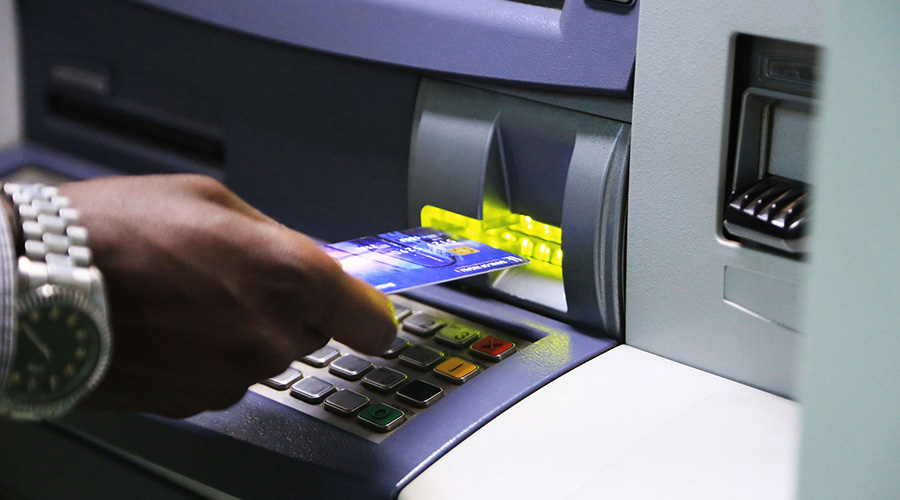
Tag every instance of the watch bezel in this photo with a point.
(49, 294)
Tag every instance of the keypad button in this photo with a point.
(383, 379)
(423, 324)
(421, 357)
(382, 417)
(456, 370)
(321, 357)
(420, 394)
(456, 335)
(312, 390)
(401, 311)
(350, 367)
(283, 380)
(345, 403)
(397, 346)
(493, 349)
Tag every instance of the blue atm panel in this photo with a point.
(328, 116)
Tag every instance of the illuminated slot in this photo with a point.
(541, 252)
(516, 233)
(526, 248)
(556, 258)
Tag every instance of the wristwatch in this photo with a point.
(62, 336)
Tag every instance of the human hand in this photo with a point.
(208, 296)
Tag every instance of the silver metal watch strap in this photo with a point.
(57, 265)
(56, 249)
(7, 298)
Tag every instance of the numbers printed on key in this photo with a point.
(456, 335)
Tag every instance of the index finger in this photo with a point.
(366, 321)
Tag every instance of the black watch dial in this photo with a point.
(57, 348)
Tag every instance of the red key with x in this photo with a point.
(492, 348)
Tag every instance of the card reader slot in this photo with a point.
(147, 127)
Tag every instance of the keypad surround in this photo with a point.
(425, 387)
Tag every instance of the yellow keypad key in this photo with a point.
(456, 370)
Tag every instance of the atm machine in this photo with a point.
(651, 160)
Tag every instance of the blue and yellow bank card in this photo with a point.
(400, 260)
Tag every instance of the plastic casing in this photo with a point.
(588, 46)
(321, 142)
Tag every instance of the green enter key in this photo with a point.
(381, 417)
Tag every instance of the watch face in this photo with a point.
(58, 346)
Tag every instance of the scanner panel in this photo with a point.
(322, 143)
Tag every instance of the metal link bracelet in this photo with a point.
(56, 249)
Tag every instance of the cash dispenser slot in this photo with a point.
(773, 211)
(769, 201)
(544, 182)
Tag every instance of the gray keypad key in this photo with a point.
(345, 402)
(423, 324)
(312, 390)
(350, 367)
(420, 394)
(398, 345)
(401, 312)
(321, 357)
(383, 379)
(421, 357)
(284, 380)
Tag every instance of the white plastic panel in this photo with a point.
(675, 302)
(10, 107)
(626, 425)
(851, 388)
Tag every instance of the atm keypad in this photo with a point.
(456, 335)
(434, 354)
(456, 370)
(350, 367)
(421, 357)
(285, 379)
(312, 390)
(321, 357)
(384, 379)
(420, 394)
(346, 402)
(401, 311)
(382, 417)
(423, 324)
(493, 349)
(397, 346)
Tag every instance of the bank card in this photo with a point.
(400, 260)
